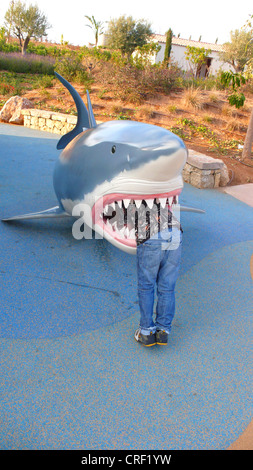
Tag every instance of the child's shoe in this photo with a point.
(161, 337)
(146, 340)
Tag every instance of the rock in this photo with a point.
(203, 171)
(201, 179)
(187, 173)
(224, 176)
(203, 162)
(11, 111)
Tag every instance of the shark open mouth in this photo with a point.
(110, 213)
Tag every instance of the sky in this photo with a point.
(195, 18)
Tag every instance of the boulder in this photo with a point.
(11, 111)
(203, 171)
(224, 175)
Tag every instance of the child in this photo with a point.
(159, 241)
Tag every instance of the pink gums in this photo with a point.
(98, 207)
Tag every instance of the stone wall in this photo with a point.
(49, 121)
(200, 170)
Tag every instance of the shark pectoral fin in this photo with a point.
(190, 209)
(54, 212)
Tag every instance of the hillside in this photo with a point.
(202, 118)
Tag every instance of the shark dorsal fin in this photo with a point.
(85, 119)
(92, 119)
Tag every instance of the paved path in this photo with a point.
(72, 376)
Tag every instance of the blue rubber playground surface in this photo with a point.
(72, 376)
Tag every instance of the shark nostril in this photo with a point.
(113, 149)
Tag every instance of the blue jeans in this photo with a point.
(158, 264)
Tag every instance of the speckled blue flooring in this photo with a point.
(72, 376)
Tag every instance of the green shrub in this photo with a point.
(9, 47)
(15, 62)
(71, 68)
(46, 81)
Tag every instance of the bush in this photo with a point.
(123, 81)
(46, 81)
(15, 62)
(132, 84)
(51, 51)
(9, 47)
(160, 79)
(71, 68)
(6, 89)
(96, 53)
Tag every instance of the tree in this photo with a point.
(168, 45)
(96, 26)
(126, 34)
(239, 50)
(197, 56)
(26, 23)
(246, 153)
(234, 81)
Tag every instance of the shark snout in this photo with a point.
(160, 164)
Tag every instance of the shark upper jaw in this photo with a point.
(105, 218)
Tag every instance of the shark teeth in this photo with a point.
(126, 203)
(114, 213)
(170, 200)
(163, 201)
(150, 203)
(112, 206)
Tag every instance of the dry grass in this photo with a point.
(117, 109)
(172, 109)
(227, 110)
(207, 118)
(145, 112)
(233, 125)
(214, 96)
(192, 98)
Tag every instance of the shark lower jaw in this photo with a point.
(109, 214)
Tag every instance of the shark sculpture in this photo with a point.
(105, 167)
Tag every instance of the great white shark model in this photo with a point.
(105, 167)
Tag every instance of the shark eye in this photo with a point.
(113, 149)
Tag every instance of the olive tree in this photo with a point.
(239, 51)
(234, 81)
(126, 34)
(26, 23)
